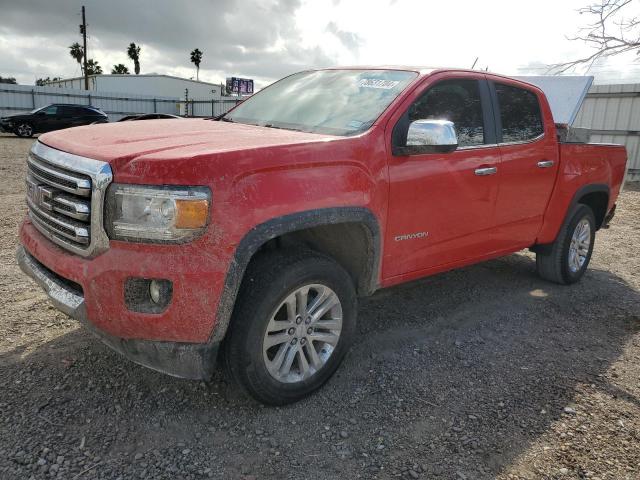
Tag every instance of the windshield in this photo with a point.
(338, 102)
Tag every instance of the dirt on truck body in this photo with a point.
(249, 238)
(480, 373)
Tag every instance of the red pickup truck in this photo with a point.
(254, 234)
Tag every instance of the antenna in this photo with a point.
(474, 62)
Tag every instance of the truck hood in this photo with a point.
(120, 142)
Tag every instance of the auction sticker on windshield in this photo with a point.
(377, 83)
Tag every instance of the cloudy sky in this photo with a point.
(267, 39)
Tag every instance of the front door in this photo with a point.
(442, 205)
(47, 119)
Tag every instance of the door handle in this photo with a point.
(486, 171)
(545, 164)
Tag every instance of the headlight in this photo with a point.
(156, 214)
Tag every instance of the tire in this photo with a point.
(568, 257)
(272, 280)
(24, 130)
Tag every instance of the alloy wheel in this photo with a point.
(579, 246)
(25, 130)
(302, 333)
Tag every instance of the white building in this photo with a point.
(149, 84)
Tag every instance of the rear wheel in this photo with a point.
(24, 130)
(294, 322)
(568, 257)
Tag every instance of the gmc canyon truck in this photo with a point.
(252, 235)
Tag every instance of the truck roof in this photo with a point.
(565, 94)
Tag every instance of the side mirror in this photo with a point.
(429, 136)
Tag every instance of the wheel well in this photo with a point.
(351, 244)
(598, 202)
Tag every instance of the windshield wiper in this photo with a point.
(271, 125)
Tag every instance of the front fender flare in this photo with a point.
(262, 233)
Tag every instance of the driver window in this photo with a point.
(457, 101)
(52, 110)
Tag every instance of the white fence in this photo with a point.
(207, 108)
(23, 98)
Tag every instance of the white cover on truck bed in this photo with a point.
(564, 93)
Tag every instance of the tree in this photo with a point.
(76, 52)
(93, 68)
(613, 29)
(41, 82)
(134, 54)
(10, 80)
(196, 58)
(120, 68)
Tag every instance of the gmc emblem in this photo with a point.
(40, 195)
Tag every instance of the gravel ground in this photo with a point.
(485, 372)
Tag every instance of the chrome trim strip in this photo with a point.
(533, 140)
(81, 232)
(80, 210)
(101, 176)
(478, 147)
(83, 186)
(65, 299)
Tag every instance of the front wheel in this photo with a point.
(294, 322)
(24, 130)
(568, 257)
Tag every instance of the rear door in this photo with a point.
(441, 205)
(529, 162)
(72, 116)
(87, 116)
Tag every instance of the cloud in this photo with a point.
(350, 40)
(252, 38)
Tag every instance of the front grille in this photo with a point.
(65, 195)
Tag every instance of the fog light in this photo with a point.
(154, 291)
(146, 295)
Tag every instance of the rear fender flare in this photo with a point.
(581, 192)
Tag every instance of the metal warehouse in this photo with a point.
(612, 112)
(149, 84)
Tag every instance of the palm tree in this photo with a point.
(93, 68)
(134, 54)
(77, 53)
(120, 68)
(196, 58)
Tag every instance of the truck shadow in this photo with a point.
(455, 374)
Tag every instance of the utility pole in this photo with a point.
(83, 31)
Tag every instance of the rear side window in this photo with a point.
(88, 111)
(80, 111)
(519, 114)
(457, 101)
(67, 111)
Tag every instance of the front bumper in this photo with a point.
(179, 359)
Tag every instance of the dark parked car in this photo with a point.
(52, 117)
(147, 116)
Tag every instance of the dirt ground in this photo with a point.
(485, 372)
